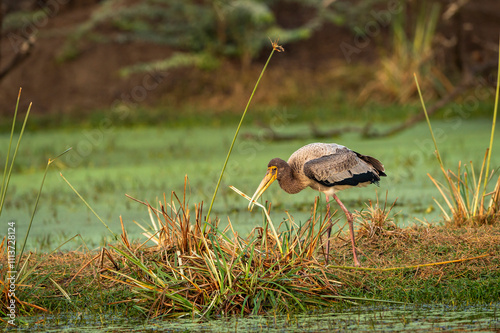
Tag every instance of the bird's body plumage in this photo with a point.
(325, 167)
(329, 167)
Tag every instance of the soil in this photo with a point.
(90, 81)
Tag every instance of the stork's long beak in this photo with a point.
(264, 184)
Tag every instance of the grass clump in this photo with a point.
(376, 220)
(467, 196)
(203, 272)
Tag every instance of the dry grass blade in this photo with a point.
(420, 265)
(63, 292)
(268, 218)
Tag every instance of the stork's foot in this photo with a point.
(356, 261)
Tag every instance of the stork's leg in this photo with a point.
(351, 228)
(329, 230)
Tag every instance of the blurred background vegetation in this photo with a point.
(157, 61)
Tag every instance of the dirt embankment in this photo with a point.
(90, 81)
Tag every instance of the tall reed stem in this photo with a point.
(494, 121)
(438, 155)
(8, 170)
(278, 48)
(115, 236)
(37, 200)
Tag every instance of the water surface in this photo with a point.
(427, 318)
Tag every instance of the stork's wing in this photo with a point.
(345, 167)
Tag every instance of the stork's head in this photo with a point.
(274, 171)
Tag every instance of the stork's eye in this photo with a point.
(272, 170)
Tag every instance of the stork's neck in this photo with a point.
(289, 180)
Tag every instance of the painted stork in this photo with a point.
(325, 167)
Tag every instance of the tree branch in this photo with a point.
(19, 57)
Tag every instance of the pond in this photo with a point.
(427, 318)
(146, 162)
